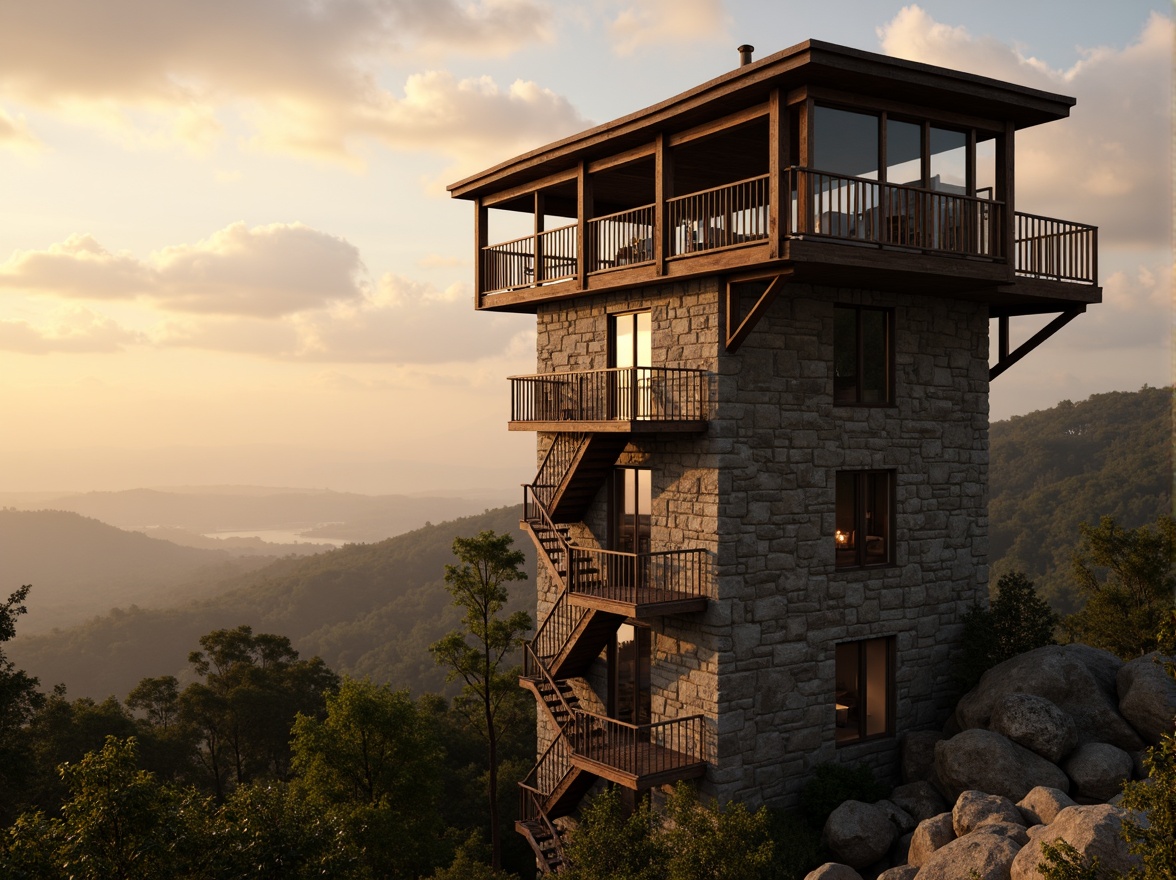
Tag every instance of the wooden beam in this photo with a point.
(663, 184)
(777, 172)
(624, 158)
(874, 104)
(729, 121)
(537, 269)
(583, 215)
(526, 189)
(1009, 358)
(735, 337)
(1005, 192)
(480, 241)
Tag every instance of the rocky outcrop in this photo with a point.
(1147, 696)
(919, 800)
(1042, 804)
(1035, 723)
(931, 835)
(833, 871)
(975, 808)
(899, 818)
(986, 761)
(1098, 771)
(902, 872)
(1091, 830)
(918, 755)
(859, 834)
(1075, 678)
(985, 854)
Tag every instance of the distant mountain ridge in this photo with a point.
(367, 609)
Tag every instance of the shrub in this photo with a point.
(832, 785)
(796, 847)
(1016, 621)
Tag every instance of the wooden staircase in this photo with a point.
(547, 842)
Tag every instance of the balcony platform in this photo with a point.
(613, 426)
(639, 766)
(640, 603)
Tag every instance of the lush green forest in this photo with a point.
(366, 609)
(1109, 455)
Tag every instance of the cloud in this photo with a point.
(266, 271)
(1135, 314)
(305, 73)
(1109, 163)
(15, 134)
(652, 22)
(73, 330)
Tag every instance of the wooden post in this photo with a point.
(804, 222)
(1005, 192)
(779, 194)
(663, 184)
(583, 215)
(537, 276)
(480, 240)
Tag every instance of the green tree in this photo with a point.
(19, 701)
(1016, 621)
(477, 653)
(1128, 579)
(707, 843)
(375, 758)
(610, 845)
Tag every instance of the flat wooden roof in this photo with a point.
(867, 76)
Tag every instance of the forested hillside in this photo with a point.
(82, 567)
(1109, 455)
(367, 610)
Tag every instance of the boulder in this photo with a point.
(983, 855)
(930, 835)
(920, 800)
(1147, 696)
(1014, 831)
(901, 850)
(1092, 830)
(975, 808)
(1098, 771)
(858, 834)
(899, 818)
(902, 872)
(833, 871)
(1063, 675)
(918, 755)
(986, 761)
(1101, 664)
(1042, 804)
(1035, 723)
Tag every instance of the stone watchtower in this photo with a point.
(761, 398)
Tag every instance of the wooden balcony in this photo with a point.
(639, 585)
(618, 400)
(833, 228)
(638, 756)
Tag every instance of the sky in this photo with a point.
(227, 254)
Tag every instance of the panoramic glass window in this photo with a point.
(949, 161)
(864, 690)
(862, 360)
(845, 142)
(904, 153)
(865, 505)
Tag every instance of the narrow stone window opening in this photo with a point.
(864, 534)
(863, 356)
(864, 696)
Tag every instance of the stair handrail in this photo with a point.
(650, 570)
(534, 510)
(682, 737)
(531, 808)
(559, 457)
(531, 659)
(558, 753)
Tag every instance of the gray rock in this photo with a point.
(1147, 696)
(901, 850)
(899, 818)
(931, 835)
(833, 871)
(975, 808)
(1062, 675)
(986, 761)
(858, 834)
(918, 755)
(1014, 831)
(984, 854)
(1098, 771)
(1103, 665)
(1093, 831)
(920, 800)
(1035, 723)
(902, 872)
(1042, 804)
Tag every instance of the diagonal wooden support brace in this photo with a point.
(735, 337)
(1006, 359)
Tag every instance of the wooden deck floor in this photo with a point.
(640, 602)
(639, 766)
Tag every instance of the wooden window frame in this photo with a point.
(891, 702)
(859, 518)
(889, 372)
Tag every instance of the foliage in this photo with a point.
(19, 701)
(704, 843)
(1016, 621)
(796, 846)
(608, 845)
(376, 759)
(833, 784)
(1053, 469)
(1062, 862)
(469, 863)
(476, 654)
(1129, 582)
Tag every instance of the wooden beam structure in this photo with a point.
(1006, 358)
(741, 329)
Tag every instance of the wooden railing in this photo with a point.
(620, 393)
(639, 749)
(859, 209)
(560, 455)
(555, 631)
(536, 670)
(621, 239)
(736, 213)
(629, 577)
(511, 265)
(1056, 249)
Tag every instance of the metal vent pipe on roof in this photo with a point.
(745, 54)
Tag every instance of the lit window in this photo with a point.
(865, 511)
(862, 362)
(864, 690)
